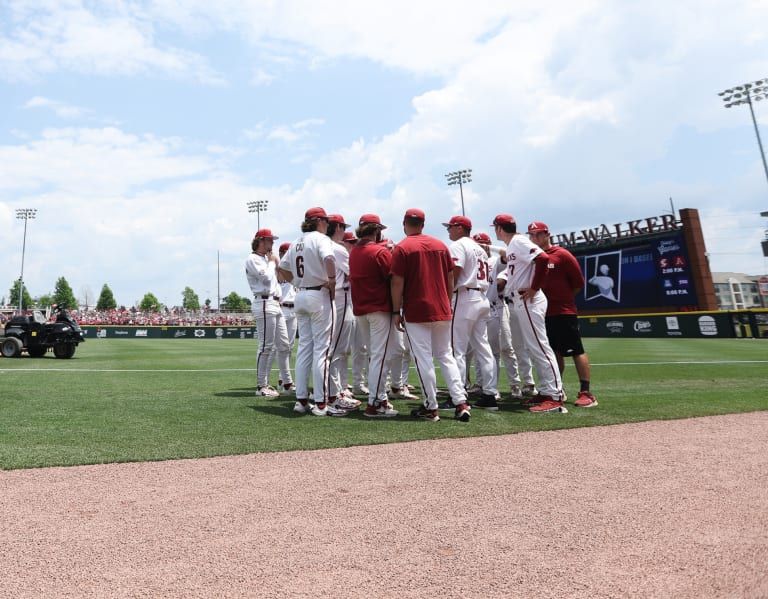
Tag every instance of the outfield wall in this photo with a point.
(747, 323)
(168, 332)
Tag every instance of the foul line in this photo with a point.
(412, 368)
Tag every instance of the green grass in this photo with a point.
(134, 400)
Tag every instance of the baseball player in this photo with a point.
(343, 319)
(260, 270)
(311, 266)
(471, 308)
(499, 334)
(422, 285)
(563, 282)
(358, 349)
(527, 265)
(369, 267)
(287, 299)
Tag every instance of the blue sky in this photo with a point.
(139, 130)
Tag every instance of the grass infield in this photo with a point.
(136, 400)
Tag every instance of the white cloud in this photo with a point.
(49, 36)
(59, 108)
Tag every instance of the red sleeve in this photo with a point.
(398, 262)
(575, 276)
(540, 263)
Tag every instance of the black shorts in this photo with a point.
(563, 334)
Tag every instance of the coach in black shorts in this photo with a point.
(561, 284)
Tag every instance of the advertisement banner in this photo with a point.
(689, 325)
(134, 332)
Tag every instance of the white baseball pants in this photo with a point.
(429, 340)
(530, 319)
(471, 310)
(315, 314)
(340, 344)
(377, 331)
(271, 335)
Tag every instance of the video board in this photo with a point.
(652, 273)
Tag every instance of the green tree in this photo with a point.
(150, 303)
(26, 299)
(44, 300)
(235, 303)
(190, 300)
(106, 300)
(208, 304)
(63, 295)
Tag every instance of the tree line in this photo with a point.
(63, 295)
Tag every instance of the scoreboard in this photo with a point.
(647, 272)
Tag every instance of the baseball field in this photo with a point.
(143, 400)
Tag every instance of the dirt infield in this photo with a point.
(657, 509)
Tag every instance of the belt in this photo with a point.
(287, 304)
(266, 297)
(315, 288)
(467, 289)
(509, 300)
(345, 288)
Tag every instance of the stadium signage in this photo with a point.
(615, 326)
(631, 228)
(642, 326)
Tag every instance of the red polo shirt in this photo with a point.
(424, 263)
(562, 282)
(369, 265)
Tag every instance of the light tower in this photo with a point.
(24, 214)
(258, 207)
(460, 177)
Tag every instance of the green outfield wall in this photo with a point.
(705, 325)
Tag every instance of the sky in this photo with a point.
(139, 130)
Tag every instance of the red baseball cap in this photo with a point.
(349, 236)
(482, 238)
(338, 219)
(265, 234)
(314, 213)
(371, 219)
(503, 219)
(538, 227)
(462, 221)
(415, 213)
(284, 247)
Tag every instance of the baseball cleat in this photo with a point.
(402, 393)
(383, 410)
(462, 413)
(301, 408)
(487, 402)
(515, 392)
(549, 405)
(425, 414)
(585, 400)
(446, 405)
(268, 392)
(344, 403)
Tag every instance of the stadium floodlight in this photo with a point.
(258, 207)
(749, 92)
(24, 214)
(460, 177)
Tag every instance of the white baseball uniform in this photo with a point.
(315, 312)
(529, 316)
(270, 324)
(343, 323)
(499, 334)
(287, 302)
(471, 311)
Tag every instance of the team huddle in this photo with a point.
(386, 305)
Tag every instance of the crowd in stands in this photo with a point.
(170, 317)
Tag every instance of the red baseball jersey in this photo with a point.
(369, 266)
(562, 282)
(424, 263)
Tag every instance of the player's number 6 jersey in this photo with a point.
(305, 259)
